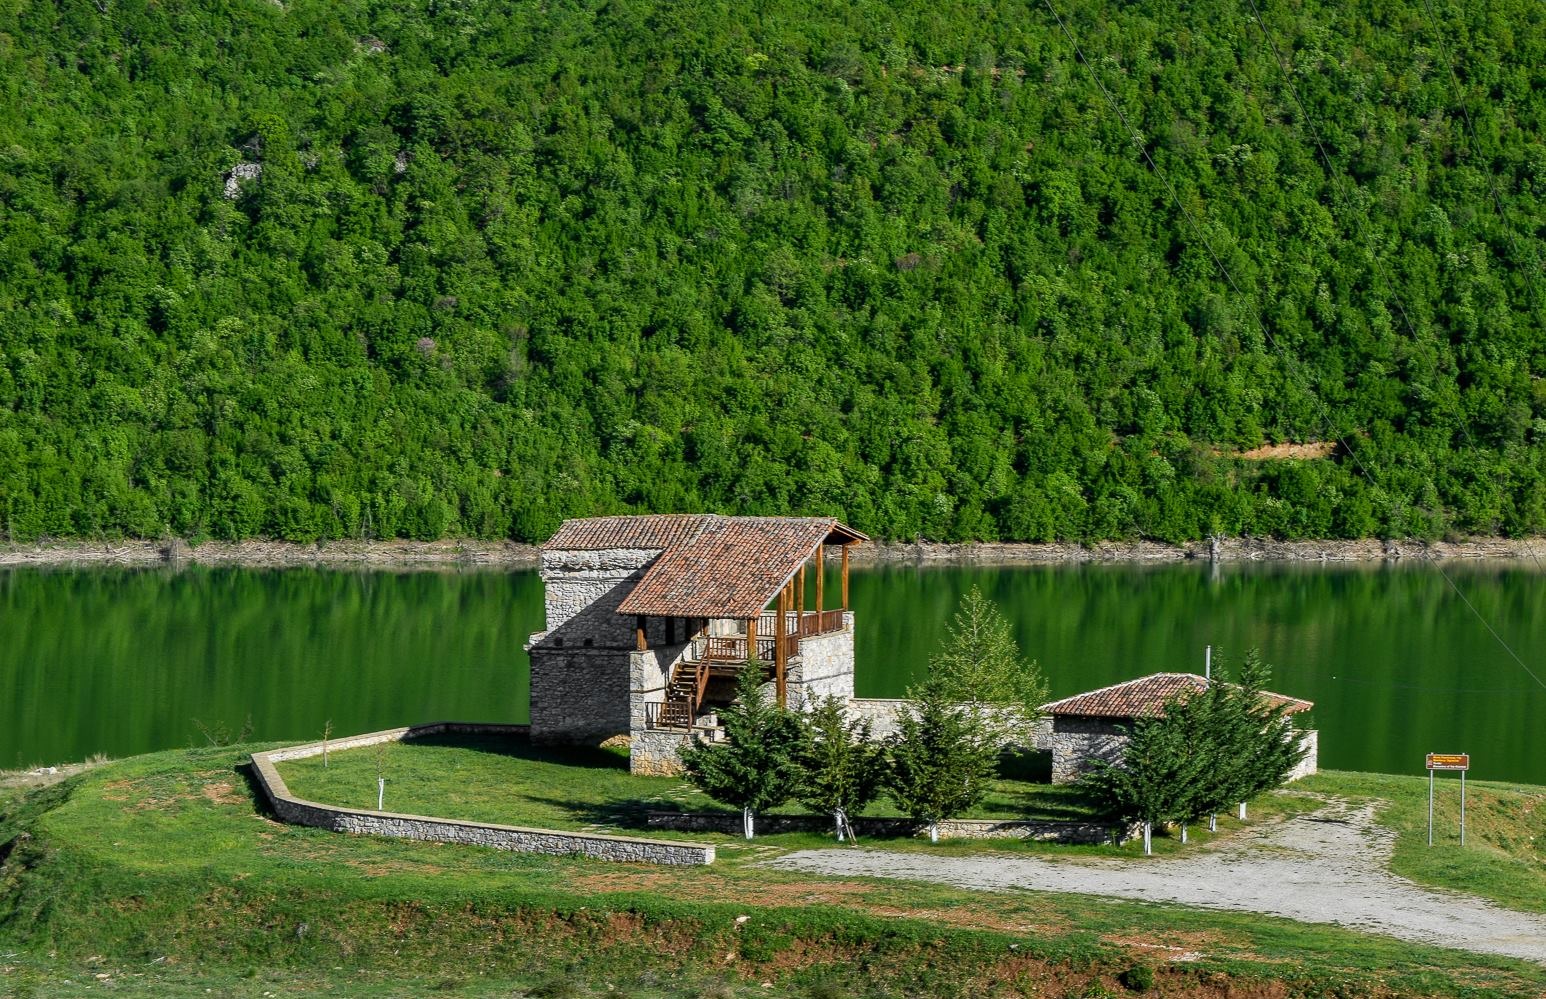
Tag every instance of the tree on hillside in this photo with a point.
(839, 766)
(979, 663)
(942, 757)
(753, 768)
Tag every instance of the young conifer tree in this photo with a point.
(1274, 747)
(1152, 782)
(942, 757)
(839, 766)
(979, 662)
(753, 768)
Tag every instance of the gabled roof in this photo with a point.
(656, 531)
(1147, 696)
(710, 566)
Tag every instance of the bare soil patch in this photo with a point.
(1285, 452)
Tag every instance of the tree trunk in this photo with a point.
(933, 832)
(1148, 848)
(1213, 823)
(839, 820)
(748, 823)
(1183, 834)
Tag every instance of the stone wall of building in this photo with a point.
(582, 591)
(582, 665)
(579, 696)
(1077, 742)
(422, 827)
(1310, 739)
(653, 751)
(824, 668)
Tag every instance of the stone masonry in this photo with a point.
(1077, 742)
(581, 668)
(423, 827)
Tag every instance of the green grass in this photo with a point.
(160, 873)
(508, 780)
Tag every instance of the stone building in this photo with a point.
(1094, 725)
(650, 620)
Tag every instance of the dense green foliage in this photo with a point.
(839, 765)
(893, 261)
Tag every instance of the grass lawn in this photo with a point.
(505, 779)
(159, 875)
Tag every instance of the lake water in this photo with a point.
(127, 661)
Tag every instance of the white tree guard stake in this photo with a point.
(933, 832)
(1183, 833)
(1148, 849)
(1242, 811)
(748, 823)
(380, 792)
(1213, 823)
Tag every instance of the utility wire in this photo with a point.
(1334, 175)
(1224, 272)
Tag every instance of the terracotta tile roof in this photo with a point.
(733, 568)
(1147, 696)
(657, 531)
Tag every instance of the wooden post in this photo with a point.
(751, 639)
(799, 591)
(778, 650)
(640, 641)
(845, 577)
(820, 606)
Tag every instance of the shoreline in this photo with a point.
(465, 554)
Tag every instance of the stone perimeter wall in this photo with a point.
(1040, 831)
(500, 837)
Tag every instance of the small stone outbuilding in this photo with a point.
(1094, 725)
(650, 619)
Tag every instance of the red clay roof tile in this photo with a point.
(710, 566)
(1147, 696)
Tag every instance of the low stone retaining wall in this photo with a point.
(1040, 831)
(423, 827)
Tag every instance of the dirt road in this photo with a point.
(1325, 867)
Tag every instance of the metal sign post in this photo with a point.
(1447, 761)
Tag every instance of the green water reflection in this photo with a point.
(122, 661)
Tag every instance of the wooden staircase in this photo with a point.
(684, 694)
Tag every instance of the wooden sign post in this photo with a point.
(1447, 761)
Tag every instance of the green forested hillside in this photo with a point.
(895, 260)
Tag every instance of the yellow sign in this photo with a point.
(1449, 761)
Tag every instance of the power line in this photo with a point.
(1224, 272)
(1334, 175)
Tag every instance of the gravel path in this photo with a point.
(1325, 867)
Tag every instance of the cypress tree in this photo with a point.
(839, 767)
(942, 757)
(752, 769)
